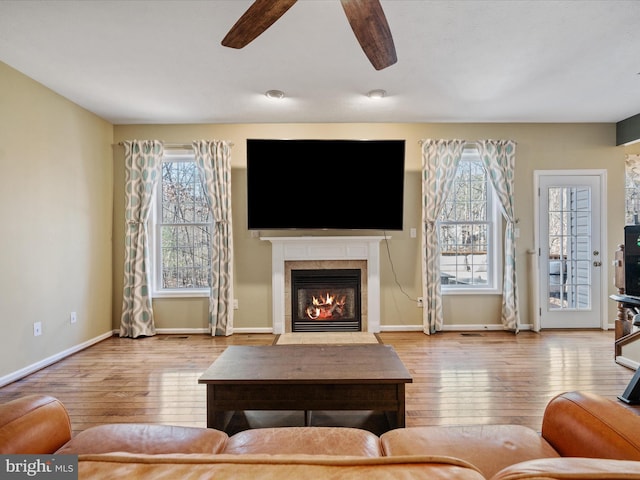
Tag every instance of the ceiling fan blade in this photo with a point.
(370, 26)
(258, 17)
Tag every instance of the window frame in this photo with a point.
(155, 225)
(495, 239)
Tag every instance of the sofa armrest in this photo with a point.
(34, 424)
(571, 468)
(580, 424)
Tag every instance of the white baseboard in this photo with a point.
(449, 328)
(207, 331)
(23, 372)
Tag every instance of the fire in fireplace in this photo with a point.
(325, 300)
(326, 307)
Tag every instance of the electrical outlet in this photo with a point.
(37, 329)
(73, 317)
(235, 304)
(420, 303)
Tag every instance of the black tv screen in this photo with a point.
(325, 184)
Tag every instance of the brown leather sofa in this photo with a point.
(583, 436)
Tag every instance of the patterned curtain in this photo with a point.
(143, 159)
(440, 160)
(213, 159)
(499, 158)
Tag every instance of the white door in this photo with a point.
(570, 257)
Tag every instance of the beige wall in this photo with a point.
(56, 200)
(540, 147)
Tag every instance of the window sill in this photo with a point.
(181, 293)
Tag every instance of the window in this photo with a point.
(181, 229)
(632, 189)
(468, 231)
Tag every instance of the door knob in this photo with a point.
(597, 264)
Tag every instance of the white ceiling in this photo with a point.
(150, 61)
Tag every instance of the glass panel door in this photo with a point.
(569, 255)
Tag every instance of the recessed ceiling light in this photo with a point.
(276, 94)
(377, 93)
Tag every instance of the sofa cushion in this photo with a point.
(145, 438)
(272, 467)
(579, 424)
(309, 440)
(489, 447)
(571, 468)
(34, 424)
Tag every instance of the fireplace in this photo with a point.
(326, 300)
(294, 253)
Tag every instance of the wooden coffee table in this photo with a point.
(306, 377)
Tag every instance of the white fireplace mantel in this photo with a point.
(325, 248)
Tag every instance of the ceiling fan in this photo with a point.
(366, 18)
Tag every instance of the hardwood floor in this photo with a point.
(458, 378)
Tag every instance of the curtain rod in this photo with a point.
(187, 146)
(466, 145)
(179, 146)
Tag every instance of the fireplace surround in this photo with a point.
(325, 252)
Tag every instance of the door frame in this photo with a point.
(602, 175)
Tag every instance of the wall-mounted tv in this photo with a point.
(325, 184)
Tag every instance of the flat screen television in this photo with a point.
(325, 184)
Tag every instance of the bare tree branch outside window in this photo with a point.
(185, 227)
(464, 228)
